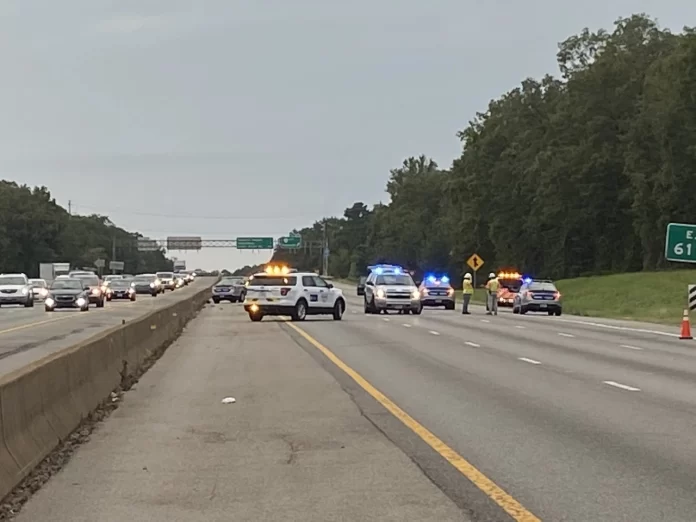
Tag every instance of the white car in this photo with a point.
(40, 288)
(295, 294)
(16, 289)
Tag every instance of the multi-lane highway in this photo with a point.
(27, 334)
(512, 417)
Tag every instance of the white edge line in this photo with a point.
(406, 325)
(485, 321)
(530, 361)
(434, 332)
(621, 386)
(624, 328)
(385, 319)
(631, 347)
(469, 343)
(565, 334)
(519, 326)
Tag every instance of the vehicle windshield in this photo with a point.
(89, 281)
(395, 280)
(541, 287)
(80, 274)
(144, 279)
(66, 284)
(39, 283)
(165, 275)
(112, 277)
(119, 283)
(231, 281)
(269, 280)
(10, 280)
(510, 284)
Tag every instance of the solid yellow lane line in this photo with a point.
(511, 506)
(38, 323)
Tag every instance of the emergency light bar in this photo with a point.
(509, 275)
(435, 280)
(384, 269)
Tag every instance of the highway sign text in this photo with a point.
(680, 243)
(255, 243)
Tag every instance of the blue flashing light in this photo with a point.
(397, 270)
(445, 279)
(384, 269)
(379, 270)
(527, 280)
(431, 279)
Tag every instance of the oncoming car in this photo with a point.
(538, 295)
(40, 288)
(167, 279)
(280, 291)
(146, 284)
(68, 292)
(390, 287)
(437, 291)
(120, 289)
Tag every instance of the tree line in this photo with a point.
(34, 229)
(560, 177)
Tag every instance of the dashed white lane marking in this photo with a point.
(385, 319)
(485, 321)
(630, 347)
(406, 325)
(469, 343)
(624, 328)
(434, 332)
(621, 386)
(530, 361)
(565, 334)
(519, 326)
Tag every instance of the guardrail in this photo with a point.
(42, 403)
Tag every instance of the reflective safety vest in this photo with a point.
(493, 285)
(467, 287)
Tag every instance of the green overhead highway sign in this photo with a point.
(680, 243)
(290, 242)
(255, 243)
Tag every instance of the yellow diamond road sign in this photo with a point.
(475, 262)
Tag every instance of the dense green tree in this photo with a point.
(34, 229)
(559, 177)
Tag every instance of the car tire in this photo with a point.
(300, 311)
(558, 314)
(216, 300)
(551, 312)
(84, 309)
(132, 298)
(451, 306)
(48, 309)
(29, 304)
(100, 304)
(515, 310)
(523, 310)
(109, 299)
(256, 317)
(417, 311)
(338, 309)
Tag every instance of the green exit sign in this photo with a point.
(680, 243)
(255, 243)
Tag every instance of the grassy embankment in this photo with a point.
(658, 297)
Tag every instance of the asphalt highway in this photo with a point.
(512, 417)
(27, 334)
(577, 419)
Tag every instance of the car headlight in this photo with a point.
(96, 291)
(25, 291)
(81, 301)
(415, 294)
(133, 285)
(43, 292)
(380, 293)
(50, 302)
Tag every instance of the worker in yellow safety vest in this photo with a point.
(492, 293)
(467, 292)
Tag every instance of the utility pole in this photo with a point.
(70, 207)
(325, 252)
(113, 252)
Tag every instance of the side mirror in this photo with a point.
(329, 285)
(369, 283)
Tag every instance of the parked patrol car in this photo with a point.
(390, 287)
(280, 290)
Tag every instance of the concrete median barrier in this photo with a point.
(41, 404)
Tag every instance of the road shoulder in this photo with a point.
(294, 446)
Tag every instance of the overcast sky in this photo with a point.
(226, 118)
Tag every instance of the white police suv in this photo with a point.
(283, 291)
(390, 287)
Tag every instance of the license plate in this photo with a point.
(438, 301)
(543, 306)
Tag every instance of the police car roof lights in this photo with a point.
(431, 278)
(278, 270)
(385, 269)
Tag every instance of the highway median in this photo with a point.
(43, 403)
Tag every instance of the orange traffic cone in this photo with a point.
(686, 326)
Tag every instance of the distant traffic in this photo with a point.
(62, 288)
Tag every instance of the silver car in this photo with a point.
(436, 292)
(15, 289)
(538, 295)
(391, 289)
(230, 289)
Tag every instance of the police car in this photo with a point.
(280, 290)
(437, 291)
(390, 287)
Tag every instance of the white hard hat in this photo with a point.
(491, 275)
(467, 276)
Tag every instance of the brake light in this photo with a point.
(557, 295)
(530, 295)
(450, 291)
(284, 291)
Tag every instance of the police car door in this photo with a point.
(311, 291)
(326, 296)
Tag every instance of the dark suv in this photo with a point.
(538, 295)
